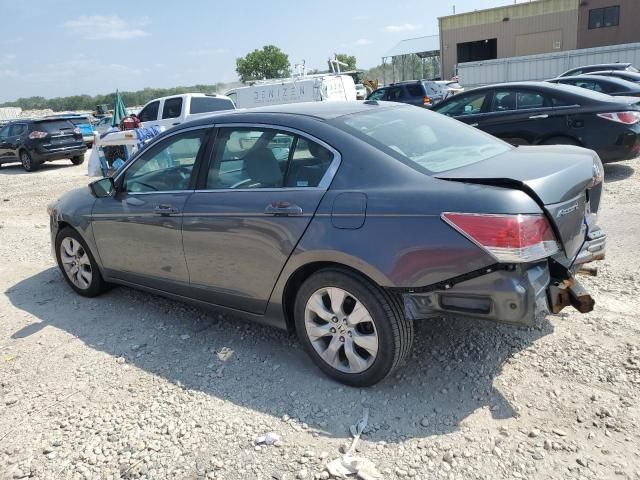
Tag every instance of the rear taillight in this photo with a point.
(426, 100)
(77, 131)
(37, 134)
(628, 118)
(509, 238)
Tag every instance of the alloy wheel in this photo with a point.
(341, 330)
(76, 263)
(25, 160)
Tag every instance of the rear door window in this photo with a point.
(172, 108)
(396, 94)
(415, 90)
(507, 100)
(209, 104)
(150, 112)
(17, 129)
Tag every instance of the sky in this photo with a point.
(70, 47)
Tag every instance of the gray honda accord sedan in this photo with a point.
(345, 222)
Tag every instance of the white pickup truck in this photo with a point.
(175, 109)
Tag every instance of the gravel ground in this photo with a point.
(130, 385)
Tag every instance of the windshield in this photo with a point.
(427, 141)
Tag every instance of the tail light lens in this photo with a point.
(628, 118)
(509, 238)
(426, 100)
(37, 134)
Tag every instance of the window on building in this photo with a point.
(604, 17)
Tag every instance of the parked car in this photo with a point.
(413, 92)
(361, 91)
(176, 109)
(379, 215)
(84, 123)
(421, 93)
(103, 124)
(595, 68)
(542, 113)
(616, 87)
(33, 142)
(623, 74)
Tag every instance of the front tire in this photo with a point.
(354, 331)
(77, 264)
(78, 160)
(27, 162)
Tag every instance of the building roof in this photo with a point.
(421, 46)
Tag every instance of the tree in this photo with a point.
(350, 60)
(270, 62)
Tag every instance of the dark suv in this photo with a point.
(413, 92)
(33, 142)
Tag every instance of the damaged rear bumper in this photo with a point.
(514, 294)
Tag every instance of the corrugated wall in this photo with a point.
(543, 67)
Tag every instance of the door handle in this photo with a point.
(283, 209)
(165, 210)
(174, 124)
(544, 115)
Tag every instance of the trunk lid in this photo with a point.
(60, 133)
(557, 177)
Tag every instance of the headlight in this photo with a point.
(597, 175)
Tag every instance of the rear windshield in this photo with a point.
(53, 126)
(209, 104)
(79, 120)
(427, 141)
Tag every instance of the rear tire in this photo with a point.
(77, 264)
(27, 162)
(78, 160)
(362, 338)
(560, 141)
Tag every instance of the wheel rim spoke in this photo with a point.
(84, 259)
(317, 306)
(316, 331)
(367, 341)
(356, 362)
(330, 355)
(358, 315)
(337, 296)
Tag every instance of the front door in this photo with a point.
(467, 107)
(10, 141)
(138, 231)
(261, 191)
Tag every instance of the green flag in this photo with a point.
(119, 111)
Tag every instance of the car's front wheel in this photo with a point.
(354, 331)
(27, 162)
(78, 160)
(77, 264)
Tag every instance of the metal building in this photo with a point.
(412, 59)
(539, 26)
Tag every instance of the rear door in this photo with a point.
(523, 116)
(257, 196)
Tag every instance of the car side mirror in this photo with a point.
(105, 187)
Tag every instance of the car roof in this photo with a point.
(615, 65)
(195, 94)
(614, 80)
